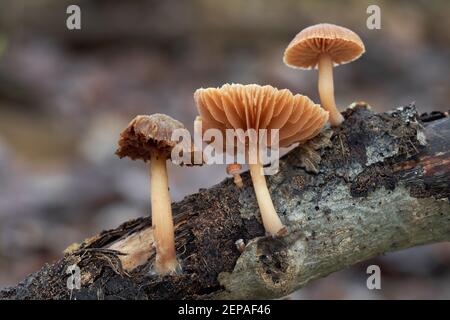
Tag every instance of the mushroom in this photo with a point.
(324, 45)
(149, 138)
(234, 169)
(256, 107)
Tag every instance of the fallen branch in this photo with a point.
(379, 183)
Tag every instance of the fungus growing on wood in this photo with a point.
(323, 46)
(148, 138)
(254, 107)
(234, 169)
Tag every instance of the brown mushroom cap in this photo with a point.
(233, 168)
(342, 44)
(238, 106)
(146, 135)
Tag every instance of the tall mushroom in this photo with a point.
(149, 138)
(323, 46)
(256, 107)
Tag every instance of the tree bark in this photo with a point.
(378, 183)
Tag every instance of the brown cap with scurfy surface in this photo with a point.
(149, 138)
(145, 135)
(342, 44)
(238, 106)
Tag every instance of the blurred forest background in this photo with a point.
(66, 95)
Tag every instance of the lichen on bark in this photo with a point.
(379, 186)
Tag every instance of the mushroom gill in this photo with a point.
(256, 107)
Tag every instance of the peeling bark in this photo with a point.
(378, 183)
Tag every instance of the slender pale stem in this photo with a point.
(271, 221)
(162, 221)
(326, 89)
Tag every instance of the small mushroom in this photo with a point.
(234, 169)
(256, 107)
(149, 138)
(324, 46)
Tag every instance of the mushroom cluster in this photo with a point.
(295, 118)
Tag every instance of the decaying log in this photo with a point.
(379, 183)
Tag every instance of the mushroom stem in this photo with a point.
(326, 89)
(166, 261)
(271, 221)
(238, 180)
